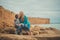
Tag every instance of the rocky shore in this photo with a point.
(7, 29)
(28, 37)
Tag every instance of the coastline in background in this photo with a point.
(57, 26)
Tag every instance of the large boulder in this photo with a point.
(8, 30)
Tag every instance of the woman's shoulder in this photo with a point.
(25, 17)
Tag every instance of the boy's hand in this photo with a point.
(19, 24)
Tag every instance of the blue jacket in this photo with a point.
(26, 21)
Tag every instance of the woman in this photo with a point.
(24, 22)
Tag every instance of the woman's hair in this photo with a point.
(21, 14)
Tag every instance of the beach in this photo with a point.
(40, 28)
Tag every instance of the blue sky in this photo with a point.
(35, 8)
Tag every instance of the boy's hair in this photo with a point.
(16, 16)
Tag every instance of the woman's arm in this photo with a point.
(25, 20)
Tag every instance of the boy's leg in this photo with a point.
(16, 32)
(20, 30)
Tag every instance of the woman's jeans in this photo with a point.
(20, 28)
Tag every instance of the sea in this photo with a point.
(57, 26)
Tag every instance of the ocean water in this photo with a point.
(57, 26)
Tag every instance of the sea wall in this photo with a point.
(34, 20)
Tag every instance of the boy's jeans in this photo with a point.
(20, 28)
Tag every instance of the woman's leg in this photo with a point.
(25, 28)
(18, 30)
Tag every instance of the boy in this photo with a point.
(17, 24)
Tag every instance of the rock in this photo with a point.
(15, 37)
(6, 17)
(8, 30)
(7, 24)
(28, 37)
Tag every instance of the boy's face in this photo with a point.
(16, 16)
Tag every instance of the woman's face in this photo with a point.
(21, 16)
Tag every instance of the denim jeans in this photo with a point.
(20, 28)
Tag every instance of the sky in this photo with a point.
(35, 8)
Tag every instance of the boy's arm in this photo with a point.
(15, 23)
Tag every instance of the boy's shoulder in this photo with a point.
(16, 19)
